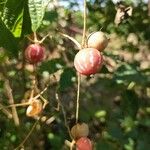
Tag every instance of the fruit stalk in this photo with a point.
(84, 26)
(79, 76)
(78, 98)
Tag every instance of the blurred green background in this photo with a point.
(115, 103)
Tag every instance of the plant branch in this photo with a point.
(28, 135)
(11, 101)
(72, 39)
(37, 96)
(16, 105)
(43, 39)
(5, 111)
(30, 100)
(35, 38)
(78, 98)
(79, 76)
(70, 144)
(64, 114)
(84, 26)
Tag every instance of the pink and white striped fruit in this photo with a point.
(88, 61)
(83, 143)
(34, 53)
(97, 40)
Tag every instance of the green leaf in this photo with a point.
(12, 16)
(51, 16)
(127, 73)
(7, 40)
(145, 121)
(2, 4)
(129, 103)
(128, 124)
(52, 65)
(130, 145)
(115, 131)
(37, 10)
(104, 145)
(67, 78)
(17, 28)
(26, 26)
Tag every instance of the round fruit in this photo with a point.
(97, 40)
(34, 109)
(34, 53)
(80, 130)
(88, 61)
(83, 144)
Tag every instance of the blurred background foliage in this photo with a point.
(115, 102)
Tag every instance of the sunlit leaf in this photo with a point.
(12, 16)
(37, 10)
(7, 40)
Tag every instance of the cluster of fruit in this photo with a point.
(89, 60)
(34, 54)
(80, 133)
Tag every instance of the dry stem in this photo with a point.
(79, 76)
(28, 135)
(78, 98)
(84, 27)
(5, 111)
(11, 101)
(64, 114)
(30, 100)
(72, 39)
